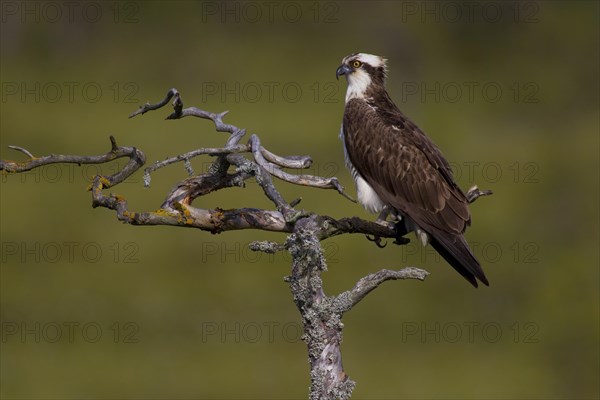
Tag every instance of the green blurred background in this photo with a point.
(92, 308)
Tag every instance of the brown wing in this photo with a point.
(404, 167)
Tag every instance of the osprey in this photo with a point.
(397, 168)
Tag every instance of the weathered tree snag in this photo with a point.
(321, 314)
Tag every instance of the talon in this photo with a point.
(400, 232)
(401, 241)
(377, 240)
(378, 243)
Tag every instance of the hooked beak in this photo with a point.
(342, 70)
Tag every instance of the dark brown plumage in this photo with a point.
(403, 166)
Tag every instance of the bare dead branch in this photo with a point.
(180, 112)
(474, 193)
(22, 150)
(137, 159)
(345, 301)
(266, 246)
(261, 155)
(149, 107)
(305, 180)
(186, 157)
(297, 162)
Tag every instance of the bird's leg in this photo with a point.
(401, 230)
(383, 215)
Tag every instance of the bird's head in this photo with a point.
(361, 70)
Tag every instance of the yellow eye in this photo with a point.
(356, 64)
